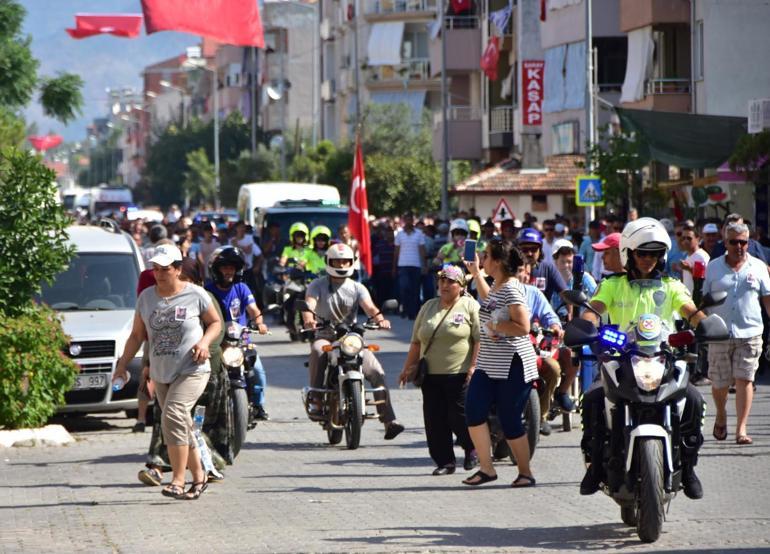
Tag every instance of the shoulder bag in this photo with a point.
(422, 363)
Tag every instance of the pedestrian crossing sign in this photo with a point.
(589, 191)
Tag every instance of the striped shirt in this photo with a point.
(495, 356)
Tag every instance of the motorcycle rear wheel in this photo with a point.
(531, 420)
(651, 494)
(240, 414)
(355, 417)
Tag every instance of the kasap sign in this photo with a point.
(532, 92)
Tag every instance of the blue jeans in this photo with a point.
(258, 382)
(409, 290)
(509, 396)
(428, 286)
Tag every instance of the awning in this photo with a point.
(638, 65)
(415, 99)
(385, 43)
(682, 139)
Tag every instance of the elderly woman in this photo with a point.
(506, 364)
(169, 315)
(446, 334)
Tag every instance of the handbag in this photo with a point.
(422, 363)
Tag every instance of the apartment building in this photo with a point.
(374, 51)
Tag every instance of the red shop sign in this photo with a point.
(532, 93)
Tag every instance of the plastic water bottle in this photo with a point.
(119, 383)
(198, 416)
(208, 465)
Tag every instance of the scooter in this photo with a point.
(645, 378)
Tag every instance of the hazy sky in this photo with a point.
(102, 61)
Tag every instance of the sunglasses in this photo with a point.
(736, 242)
(528, 249)
(649, 253)
(548, 229)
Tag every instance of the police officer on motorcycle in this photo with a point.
(336, 298)
(644, 245)
(237, 302)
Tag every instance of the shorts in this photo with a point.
(733, 359)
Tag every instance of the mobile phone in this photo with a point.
(470, 250)
(577, 264)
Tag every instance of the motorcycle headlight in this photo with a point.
(232, 356)
(648, 372)
(351, 344)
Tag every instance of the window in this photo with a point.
(565, 138)
(415, 45)
(611, 54)
(697, 56)
(539, 203)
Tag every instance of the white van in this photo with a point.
(253, 197)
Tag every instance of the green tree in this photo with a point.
(247, 169)
(199, 180)
(619, 164)
(397, 184)
(12, 132)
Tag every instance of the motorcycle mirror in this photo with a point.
(579, 332)
(712, 329)
(711, 299)
(683, 338)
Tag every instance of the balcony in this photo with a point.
(668, 95)
(463, 45)
(399, 10)
(501, 127)
(413, 70)
(641, 13)
(464, 133)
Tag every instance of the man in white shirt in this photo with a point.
(409, 264)
(693, 254)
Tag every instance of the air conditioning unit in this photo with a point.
(326, 29)
(343, 77)
(327, 90)
(759, 115)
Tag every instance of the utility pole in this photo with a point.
(589, 101)
(282, 53)
(358, 65)
(253, 99)
(444, 123)
(217, 189)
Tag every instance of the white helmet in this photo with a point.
(644, 233)
(459, 225)
(340, 251)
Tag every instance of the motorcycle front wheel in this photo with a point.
(240, 414)
(651, 494)
(334, 436)
(355, 417)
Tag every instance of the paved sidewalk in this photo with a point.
(289, 491)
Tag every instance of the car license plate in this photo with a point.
(90, 381)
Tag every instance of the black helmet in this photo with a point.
(226, 255)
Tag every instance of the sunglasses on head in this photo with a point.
(649, 253)
(735, 242)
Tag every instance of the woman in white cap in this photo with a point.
(169, 315)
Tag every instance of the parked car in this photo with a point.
(96, 297)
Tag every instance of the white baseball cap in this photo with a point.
(710, 228)
(165, 255)
(558, 244)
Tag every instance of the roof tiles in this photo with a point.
(558, 176)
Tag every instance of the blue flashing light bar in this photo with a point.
(611, 337)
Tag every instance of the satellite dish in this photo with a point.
(273, 93)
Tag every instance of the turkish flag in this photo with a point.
(490, 56)
(227, 21)
(358, 213)
(119, 25)
(460, 6)
(44, 142)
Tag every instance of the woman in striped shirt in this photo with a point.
(506, 364)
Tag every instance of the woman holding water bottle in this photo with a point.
(169, 315)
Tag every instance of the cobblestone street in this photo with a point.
(290, 491)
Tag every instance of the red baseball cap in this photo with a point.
(610, 241)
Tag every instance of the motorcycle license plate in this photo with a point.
(92, 381)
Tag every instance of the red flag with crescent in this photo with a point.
(358, 213)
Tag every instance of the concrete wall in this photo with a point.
(736, 47)
(568, 24)
(484, 204)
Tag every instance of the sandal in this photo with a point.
(720, 432)
(173, 491)
(151, 477)
(195, 491)
(482, 478)
(528, 481)
(743, 440)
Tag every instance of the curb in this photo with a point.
(50, 435)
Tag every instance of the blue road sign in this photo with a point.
(589, 191)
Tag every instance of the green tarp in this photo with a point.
(682, 139)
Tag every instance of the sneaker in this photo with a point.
(393, 429)
(138, 427)
(471, 460)
(564, 402)
(260, 414)
(590, 483)
(692, 486)
(545, 428)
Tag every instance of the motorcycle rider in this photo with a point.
(644, 245)
(298, 249)
(544, 276)
(319, 240)
(336, 297)
(226, 267)
(452, 251)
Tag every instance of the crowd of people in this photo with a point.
(471, 349)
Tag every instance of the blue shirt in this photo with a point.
(674, 255)
(547, 279)
(587, 252)
(233, 301)
(589, 287)
(742, 311)
(755, 249)
(539, 308)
